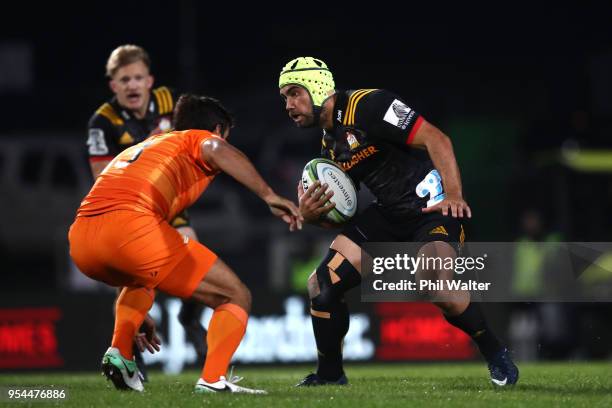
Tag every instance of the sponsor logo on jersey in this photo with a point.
(399, 114)
(339, 117)
(359, 156)
(96, 142)
(352, 140)
(438, 230)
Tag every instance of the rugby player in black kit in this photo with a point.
(409, 166)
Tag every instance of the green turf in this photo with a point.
(433, 385)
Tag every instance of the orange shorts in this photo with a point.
(128, 248)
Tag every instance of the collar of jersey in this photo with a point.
(121, 110)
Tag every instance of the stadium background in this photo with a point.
(525, 94)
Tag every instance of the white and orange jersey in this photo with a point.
(162, 175)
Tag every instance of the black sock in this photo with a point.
(190, 312)
(189, 316)
(472, 322)
(329, 334)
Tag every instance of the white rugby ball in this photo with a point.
(345, 194)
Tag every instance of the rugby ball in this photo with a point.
(345, 194)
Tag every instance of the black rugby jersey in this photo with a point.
(371, 138)
(113, 129)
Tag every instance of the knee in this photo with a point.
(313, 286)
(444, 298)
(322, 299)
(322, 296)
(247, 299)
(241, 296)
(453, 307)
(446, 307)
(332, 278)
(326, 300)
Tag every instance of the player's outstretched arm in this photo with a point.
(440, 149)
(224, 157)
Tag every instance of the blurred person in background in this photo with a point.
(135, 112)
(531, 256)
(540, 329)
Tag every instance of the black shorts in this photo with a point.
(372, 225)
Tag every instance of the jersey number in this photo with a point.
(122, 164)
(432, 186)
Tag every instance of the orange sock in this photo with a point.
(225, 331)
(131, 308)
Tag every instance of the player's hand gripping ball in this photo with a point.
(345, 194)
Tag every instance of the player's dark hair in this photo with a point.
(201, 112)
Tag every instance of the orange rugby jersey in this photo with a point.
(162, 175)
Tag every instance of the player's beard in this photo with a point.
(309, 122)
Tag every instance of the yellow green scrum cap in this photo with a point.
(311, 74)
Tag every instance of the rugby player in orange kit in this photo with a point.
(121, 236)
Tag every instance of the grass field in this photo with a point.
(435, 385)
